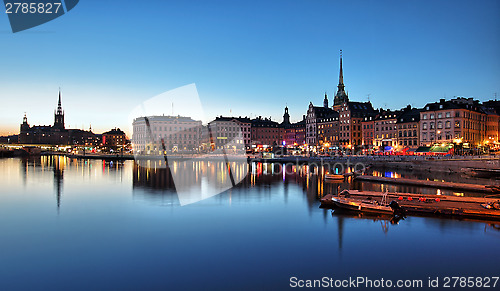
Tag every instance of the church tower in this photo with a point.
(286, 116)
(325, 101)
(59, 115)
(25, 126)
(341, 95)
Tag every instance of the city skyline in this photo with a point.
(287, 55)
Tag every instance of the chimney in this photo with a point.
(441, 100)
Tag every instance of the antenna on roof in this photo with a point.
(368, 97)
(172, 108)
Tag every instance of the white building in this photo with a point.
(224, 129)
(176, 133)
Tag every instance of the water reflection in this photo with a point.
(33, 165)
(38, 169)
(159, 181)
(261, 178)
(111, 230)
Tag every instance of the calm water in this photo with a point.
(90, 224)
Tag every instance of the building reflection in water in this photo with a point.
(191, 180)
(196, 176)
(55, 164)
(34, 167)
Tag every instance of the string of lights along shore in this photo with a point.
(345, 126)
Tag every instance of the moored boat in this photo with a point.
(334, 177)
(362, 206)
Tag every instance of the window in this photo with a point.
(440, 124)
(424, 116)
(448, 124)
(432, 116)
(432, 125)
(448, 114)
(440, 115)
(457, 124)
(424, 125)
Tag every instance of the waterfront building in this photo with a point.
(408, 132)
(266, 133)
(293, 133)
(80, 137)
(351, 116)
(386, 130)
(176, 133)
(222, 129)
(328, 131)
(9, 139)
(114, 139)
(492, 109)
(368, 130)
(300, 131)
(314, 115)
(459, 120)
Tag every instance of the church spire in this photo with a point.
(341, 95)
(341, 74)
(59, 106)
(59, 114)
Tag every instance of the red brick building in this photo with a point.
(266, 132)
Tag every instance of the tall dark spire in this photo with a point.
(59, 114)
(341, 95)
(325, 101)
(341, 74)
(59, 106)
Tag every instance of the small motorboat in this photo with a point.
(334, 177)
(362, 206)
(345, 201)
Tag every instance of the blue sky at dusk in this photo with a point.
(246, 58)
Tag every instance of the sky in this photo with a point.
(246, 58)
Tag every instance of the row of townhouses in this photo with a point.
(344, 125)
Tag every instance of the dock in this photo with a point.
(432, 184)
(429, 205)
